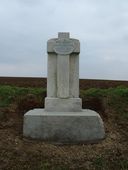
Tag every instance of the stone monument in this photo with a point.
(63, 120)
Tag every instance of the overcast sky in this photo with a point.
(100, 25)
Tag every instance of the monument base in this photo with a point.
(64, 127)
(67, 105)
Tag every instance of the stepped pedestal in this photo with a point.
(63, 120)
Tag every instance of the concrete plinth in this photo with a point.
(63, 127)
(65, 105)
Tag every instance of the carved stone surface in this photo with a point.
(63, 67)
(64, 46)
(63, 38)
(63, 120)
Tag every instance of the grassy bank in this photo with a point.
(114, 99)
(18, 153)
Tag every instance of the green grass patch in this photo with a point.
(101, 163)
(116, 98)
(112, 92)
(9, 94)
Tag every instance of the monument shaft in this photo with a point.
(63, 74)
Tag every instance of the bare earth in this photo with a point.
(19, 153)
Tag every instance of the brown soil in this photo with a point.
(19, 153)
(41, 82)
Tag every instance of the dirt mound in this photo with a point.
(19, 153)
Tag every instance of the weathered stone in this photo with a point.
(64, 127)
(63, 105)
(52, 76)
(63, 67)
(63, 76)
(63, 120)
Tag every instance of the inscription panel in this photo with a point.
(64, 47)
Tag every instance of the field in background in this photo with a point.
(19, 153)
(41, 82)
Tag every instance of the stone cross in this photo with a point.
(62, 120)
(63, 69)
